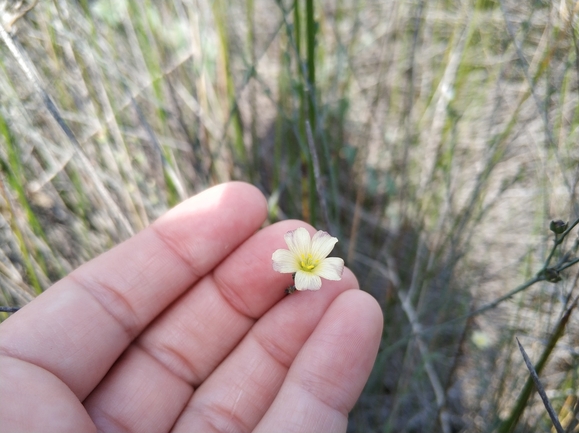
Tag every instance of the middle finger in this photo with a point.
(238, 393)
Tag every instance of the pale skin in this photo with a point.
(186, 328)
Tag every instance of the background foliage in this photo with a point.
(435, 139)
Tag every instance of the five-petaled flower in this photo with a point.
(308, 259)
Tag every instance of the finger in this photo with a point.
(330, 371)
(193, 336)
(27, 408)
(236, 395)
(137, 395)
(80, 326)
(196, 334)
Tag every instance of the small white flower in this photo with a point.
(308, 259)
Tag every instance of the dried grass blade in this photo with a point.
(540, 389)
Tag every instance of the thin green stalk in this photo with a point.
(30, 271)
(305, 172)
(221, 24)
(16, 178)
(253, 168)
(541, 390)
(151, 54)
(511, 422)
(283, 84)
(311, 100)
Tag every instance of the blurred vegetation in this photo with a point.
(436, 140)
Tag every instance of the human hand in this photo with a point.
(185, 327)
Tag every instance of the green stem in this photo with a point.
(558, 241)
(311, 100)
(511, 422)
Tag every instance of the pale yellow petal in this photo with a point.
(284, 261)
(298, 241)
(322, 245)
(331, 269)
(307, 281)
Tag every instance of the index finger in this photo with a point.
(80, 326)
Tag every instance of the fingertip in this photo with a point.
(247, 191)
(349, 279)
(366, 309)
(330, 371)
(221, 217)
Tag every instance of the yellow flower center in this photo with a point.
(307, 262)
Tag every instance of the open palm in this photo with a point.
(185, 327)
